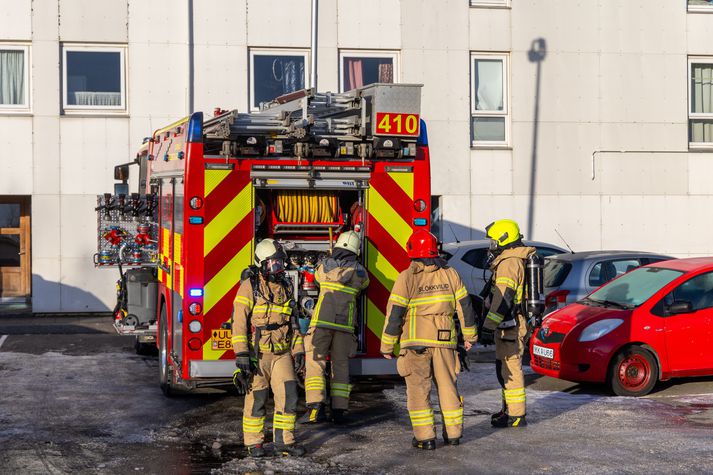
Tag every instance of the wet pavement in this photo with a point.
(75, 398)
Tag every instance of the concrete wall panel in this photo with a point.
(16, 155)
(46, 222)
(279, 24)
(84, 288)
(15, 19)
(45, 155)
(92, 21)
(160, 75)
(491, 172)
(649, 175)
(371, 24)
(158, 21)
(489, 29)
(45, 284)
(698, 28)
(222, 80)
(220, 22)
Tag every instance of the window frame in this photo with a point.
(394, 55)
(505, 113)
(27, 105)
(123, 51)
(490, 4)
(697, 115)
(305, 53)
(699, 8)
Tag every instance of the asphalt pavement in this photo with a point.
(75, 398)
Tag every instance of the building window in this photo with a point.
(94, 78)
(489, 3)
(700, 5)
(490, 123)
(360, 68)
(14, 78)
(276, 72)
(700, 98)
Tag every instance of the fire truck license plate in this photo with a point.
(542, 351)
(388, 123)
(220, 340)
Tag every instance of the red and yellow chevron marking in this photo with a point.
(227, 247)
(178, 273)
(164, 257)
(389, 204)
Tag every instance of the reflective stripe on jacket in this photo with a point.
(339, 284)
(421, 307)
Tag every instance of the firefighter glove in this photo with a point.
(242, 382)
(299, 362)
(487, 337)
(463, 357)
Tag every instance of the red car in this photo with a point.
(651, 324)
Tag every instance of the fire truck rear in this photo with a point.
(305, 168)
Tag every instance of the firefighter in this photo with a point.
(420, 314)
(331, 332)
(263, 334)
(505, 323)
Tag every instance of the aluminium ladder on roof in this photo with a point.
(307, 115)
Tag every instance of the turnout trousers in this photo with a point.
(509, 347)
(274, 372)
(339, 346)
(420, 368)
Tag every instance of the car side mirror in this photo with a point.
(680, 306)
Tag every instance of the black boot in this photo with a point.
(291, 450)
(447, 441)
(509, 421)
(339, 416)
(429, 444)
(256, 450)
(315, 413)
(497, 415)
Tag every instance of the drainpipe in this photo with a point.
(313, 65)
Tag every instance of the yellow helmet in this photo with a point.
(350, 241)
(503, 232)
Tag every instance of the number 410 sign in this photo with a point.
(388, 123)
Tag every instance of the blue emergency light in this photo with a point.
(195, 292)
(420, 221)
(195, 219)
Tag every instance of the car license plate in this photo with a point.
(542, 351)
(220, 340)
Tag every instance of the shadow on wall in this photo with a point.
(48, 296)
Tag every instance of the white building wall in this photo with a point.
(614, 78)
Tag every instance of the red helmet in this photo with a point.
(422, 244)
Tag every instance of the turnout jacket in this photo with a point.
(263, 320)
(506, 287)
(421, 307)
(340, 281)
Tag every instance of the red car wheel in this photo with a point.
(634, 372)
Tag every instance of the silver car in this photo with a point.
(571, 277)
(469, 258)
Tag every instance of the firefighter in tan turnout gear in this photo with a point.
(263, 337)
(505, 323)
(331, 334)
(420, 316)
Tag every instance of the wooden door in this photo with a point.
(15, 241)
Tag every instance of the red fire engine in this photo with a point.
(305, 168)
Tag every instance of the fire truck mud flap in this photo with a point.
(212, 369)
(372, 367)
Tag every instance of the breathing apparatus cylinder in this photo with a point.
(535, 289)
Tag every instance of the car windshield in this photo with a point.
(556, 272)
(634, 288)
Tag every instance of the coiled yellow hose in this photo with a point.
(306, 206)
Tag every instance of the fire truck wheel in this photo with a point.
(165, 376)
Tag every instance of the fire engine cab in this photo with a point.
(305, 168)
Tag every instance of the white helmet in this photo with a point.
(269, 250)
(349, 240)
